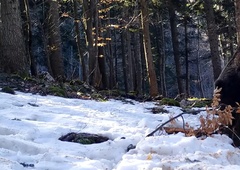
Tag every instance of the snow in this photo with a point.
(30, 126)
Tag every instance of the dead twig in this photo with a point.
(173, 118)
(160, 127)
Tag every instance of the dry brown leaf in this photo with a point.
(216, 117)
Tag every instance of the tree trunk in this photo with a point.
(129, 62)
(112, 74)
(45, 30)
(102, 67)
(116, 58)
(237, 19)
(138, 63)
(163, 61)
(213, 38)
(100, 75)
(54, 41)
(175, 45)
(88, 16)
(97, 77)
(198, 64)
(124, 65)
(78, 42)
(13, 51)
(152, 78)
(143, 65)
(126, 35)
(159, 41)
(186, 58)
(28, 36)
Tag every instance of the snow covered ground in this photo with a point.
(30, 126)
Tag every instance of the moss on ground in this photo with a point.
(169, 101)
(200, 102)
(57, 91)
(8, 90)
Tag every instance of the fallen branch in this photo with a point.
(180, 115)
(160, 127)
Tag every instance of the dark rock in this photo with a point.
(83, 138)
(27, 165)
(159, 109)
(131, 146)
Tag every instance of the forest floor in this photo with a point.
(44, 85)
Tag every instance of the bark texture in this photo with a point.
(213, 38)
(13, 53)
(152, 78)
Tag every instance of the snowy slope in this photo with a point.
(30, 126)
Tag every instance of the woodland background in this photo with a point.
(157, 47)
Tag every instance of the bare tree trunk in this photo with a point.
(163, 62)
(138, 63)
(44, 6)
(102, 67)
(88, 16)
(13, 57)
(144, 67)
(54, 41)
(237, 19)
(152, 78)
(101, 46)
(97, 77)
(175, 44)
(161, 51)
(198, 65)
(186, 58)
(213, 38)
(116, 58)
(78, 42)
(112, 74)
(27, 34)
(124, 65)
(129, 62)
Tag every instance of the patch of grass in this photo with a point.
(202, 103)
(169, 101)
(83, 140)
(199, 102)
(57, 91)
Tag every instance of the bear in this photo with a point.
(229, 82)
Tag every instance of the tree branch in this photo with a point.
(179, 115)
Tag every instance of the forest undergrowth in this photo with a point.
(217, 120)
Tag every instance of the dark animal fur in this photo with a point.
(229, 81)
